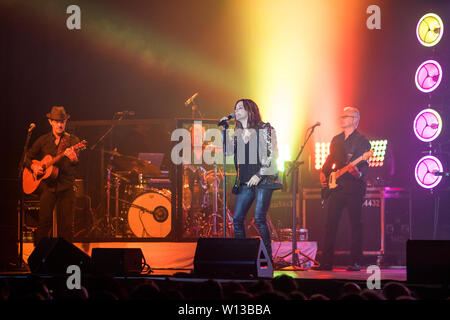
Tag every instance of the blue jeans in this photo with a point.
(244, 200)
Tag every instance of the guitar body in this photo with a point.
(332, 184)
(31, 182)
(334, 175)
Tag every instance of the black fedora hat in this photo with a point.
(58, 113)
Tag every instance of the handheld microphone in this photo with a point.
(224, 121)
(188, 101)
(31, 127)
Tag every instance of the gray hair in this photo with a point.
(355, 112)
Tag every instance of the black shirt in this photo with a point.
(344, 151)
(247, 169)
(45, 145)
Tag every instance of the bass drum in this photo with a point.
(150, 215)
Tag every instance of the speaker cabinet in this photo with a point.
(428, 261)
(232, 258)
(386, 219)
(117, 261)
(54, 255)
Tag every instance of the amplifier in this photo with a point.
(386, 219)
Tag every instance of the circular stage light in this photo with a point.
(425, 169)
(430, 29)
(428, 76)
(427, 125)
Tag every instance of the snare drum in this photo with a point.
(150, 215)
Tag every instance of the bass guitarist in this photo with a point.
(58, 191)
(345, 148)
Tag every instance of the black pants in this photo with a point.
(338, 201)
(65, 202)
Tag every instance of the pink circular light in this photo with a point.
(425, 169)
(428, 76)
(427, 125)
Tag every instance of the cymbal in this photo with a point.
(147, 168)
(130, 163)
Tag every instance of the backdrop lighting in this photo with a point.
(427, 125)
(322, 150)
(379, 148)
(430, 29)
(428, 76)
(425, 169)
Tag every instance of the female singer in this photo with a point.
(255, 152)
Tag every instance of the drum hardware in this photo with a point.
(140, 208)
(116, 218)
(131, 172)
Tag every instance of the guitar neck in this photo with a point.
(346, 168)
(55, 159)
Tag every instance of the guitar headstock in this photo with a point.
(367, 155)
(80, 146)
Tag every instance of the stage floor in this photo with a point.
(170, 259)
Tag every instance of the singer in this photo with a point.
(60, 190)
(255, 152)
(344, 148)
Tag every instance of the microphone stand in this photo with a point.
(437, 200)
(225, 126)
(22, 198)
(294, 170)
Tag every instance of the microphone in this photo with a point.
(442, 174)
(188, 101)
(31, 127)
(315, 125)
(224, 121)
(434, 126)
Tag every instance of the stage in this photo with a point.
(175, 259)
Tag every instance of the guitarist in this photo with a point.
(344, 148)
(57, 191)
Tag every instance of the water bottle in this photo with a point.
(303, 234)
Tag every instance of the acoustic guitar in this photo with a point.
(336, 174)
(31, 181)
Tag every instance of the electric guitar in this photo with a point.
(31, 181)
(334, 175)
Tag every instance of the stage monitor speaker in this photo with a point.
(54, 255)
(117, 261)
(232, 258)
(428, 261)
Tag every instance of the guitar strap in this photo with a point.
(63, 144)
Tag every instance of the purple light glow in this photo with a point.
(427, 125)
(425, 169)
(428, 76)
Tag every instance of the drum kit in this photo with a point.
(201, 202)
(139, 207)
